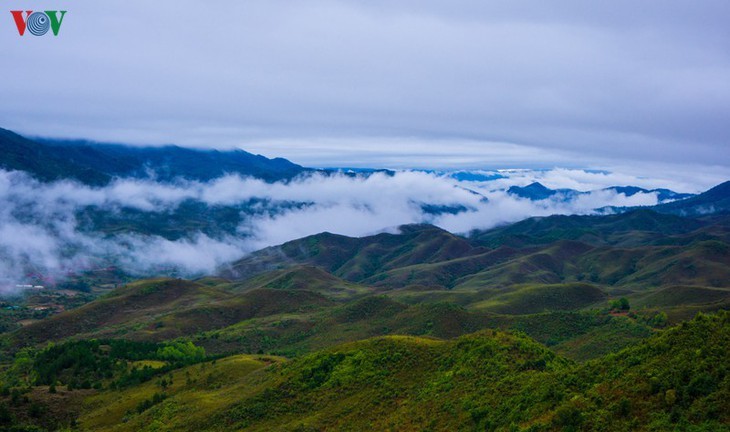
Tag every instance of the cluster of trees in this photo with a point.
(91, 363)
(621, 304)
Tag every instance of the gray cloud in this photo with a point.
(565, 83)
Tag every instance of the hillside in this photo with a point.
(553, 323)
(357, 259)
(97, 164)
(486, 380)
(637, 227)
(43, 162)
(288, 298)
(715, 200)
(162, 309)
(417, 330)
(634, 249)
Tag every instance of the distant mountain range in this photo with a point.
(536, 192)
(97, 164)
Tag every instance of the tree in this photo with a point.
(620, 304)
(624, 303)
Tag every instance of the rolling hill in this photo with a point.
(161, 309)
(634, 249)
(485, 380)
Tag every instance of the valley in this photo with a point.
(406, 331)
(613, 317)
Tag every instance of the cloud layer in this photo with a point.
(41, 232)
(321, 81)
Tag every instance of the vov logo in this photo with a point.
(38, 23)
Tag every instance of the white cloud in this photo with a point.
(39, 231)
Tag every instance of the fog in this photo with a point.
(41, 233)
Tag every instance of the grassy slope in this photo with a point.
(294, 334)
(487, 380)
(357, 259)
(297, 310)
(641, 249)
(534, 299)
(195, 392)
(300, 278)
(161, 309)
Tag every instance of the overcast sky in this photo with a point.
(491, 84)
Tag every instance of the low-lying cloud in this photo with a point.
(41, 233)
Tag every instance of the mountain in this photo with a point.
(44, 162)
(95, 163)
(358, 259)
(634, 227)
(159, 309)
(557, 263)
(536, 192)
(713, 201)
(662, 194)
(496, 278)
(638, 248)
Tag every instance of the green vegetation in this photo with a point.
(677, 380)
(621, 304)
(636, 250)
(564, 323)
(97, 364)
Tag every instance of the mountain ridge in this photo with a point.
(98, 163)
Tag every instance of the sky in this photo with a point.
(620, 85)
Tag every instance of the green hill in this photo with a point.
(487, 380)
(419, 330)
(543, 298)
(304, 278)
(358, 259)
(640, 248)
(163, 309)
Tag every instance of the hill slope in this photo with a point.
(637, 249)
(96, 164)
(161, 309)
(357, 259)
(715, 200)
(43, 162)
(486, 380)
